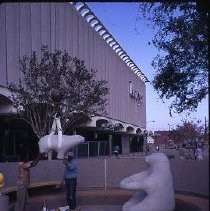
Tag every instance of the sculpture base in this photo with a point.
(4, 202)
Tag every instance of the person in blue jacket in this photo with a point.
(70, 178)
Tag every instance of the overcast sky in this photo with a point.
(120, 19)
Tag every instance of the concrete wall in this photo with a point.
(190, 176)
(27, 26)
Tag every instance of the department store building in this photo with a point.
(73, 27)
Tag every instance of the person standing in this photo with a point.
(116, 150)
(199, 153)
(70, 178)
(184, 153)
(23, 181)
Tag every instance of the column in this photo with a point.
(125, 145)
(110, 145)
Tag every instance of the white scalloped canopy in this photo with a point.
(91, 18)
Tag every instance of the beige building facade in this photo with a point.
(73, 27)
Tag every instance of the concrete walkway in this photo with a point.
(95, 208)
(111, 200)
(202, 203)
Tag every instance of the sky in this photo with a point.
(120, 18)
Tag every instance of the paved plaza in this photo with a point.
(108, 200)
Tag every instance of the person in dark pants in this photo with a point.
(23, 181)
(116, 150)
(70, 178)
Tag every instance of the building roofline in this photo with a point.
(95, 23)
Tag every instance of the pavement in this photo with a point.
(94, 208)
(202, 203)
(111, 200)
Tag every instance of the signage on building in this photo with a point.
(135, 94)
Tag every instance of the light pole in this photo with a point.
(169, 127)
(205, 127)
(151, 121)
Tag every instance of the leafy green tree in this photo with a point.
(181, 36)
(190, 133)
(57, 84)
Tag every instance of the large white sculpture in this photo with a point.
(154, 186)
(61, 147)
(59, 143)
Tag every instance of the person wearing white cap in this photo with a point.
(70, 178)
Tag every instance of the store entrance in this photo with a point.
(136, 144)
(16, 137)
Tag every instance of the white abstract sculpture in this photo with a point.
(154, 186)
(67, 142)
(59, 143)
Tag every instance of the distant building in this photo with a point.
(161, 139)
(150, 140)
